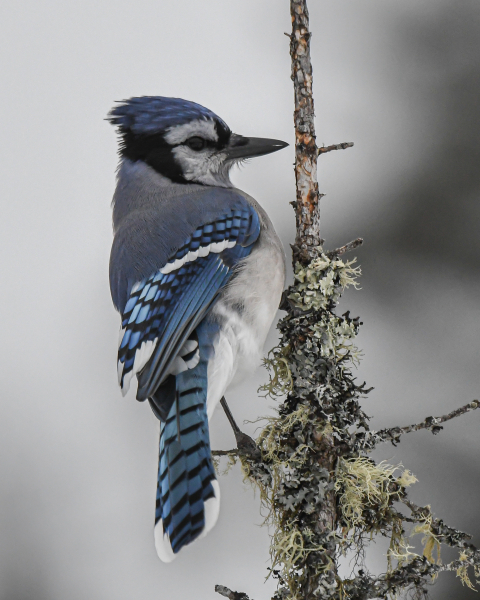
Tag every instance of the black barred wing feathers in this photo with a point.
(165, 308)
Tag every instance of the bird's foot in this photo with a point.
(245, 444)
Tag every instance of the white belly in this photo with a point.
(245, 310)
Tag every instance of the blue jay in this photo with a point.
(196, 272)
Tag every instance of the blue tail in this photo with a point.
(187, 492)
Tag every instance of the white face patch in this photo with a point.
(204, 128)
(207, 166)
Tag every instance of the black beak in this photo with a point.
(245, 147)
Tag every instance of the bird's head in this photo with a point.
(182, 140)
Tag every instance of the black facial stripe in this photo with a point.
(223, 133)
(154, 151)
(157, 153)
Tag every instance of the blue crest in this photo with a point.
(152, 114)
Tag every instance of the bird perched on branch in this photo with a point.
(196, 272)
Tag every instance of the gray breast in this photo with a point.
(246, 309)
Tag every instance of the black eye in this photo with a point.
(196, 143)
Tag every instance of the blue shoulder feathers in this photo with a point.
(148, 236)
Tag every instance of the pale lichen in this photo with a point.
(322, 494)
(321, 281)
(311, 369)
(431, 542)
(363, 485)
(399, 549)
(281, 382)
(462, 571)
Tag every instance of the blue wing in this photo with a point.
(165, 308)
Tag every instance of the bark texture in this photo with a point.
(308, 237)
(306, 151)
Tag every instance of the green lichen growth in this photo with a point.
(322, 281)
(362, 486)
(462, 572)
(310, 369)
(231, 462)
(281, 382)
(314, 454)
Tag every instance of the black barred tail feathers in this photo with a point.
(188, 494)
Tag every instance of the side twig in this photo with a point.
(447, 535)
(414, 575)
(344, 249)
(392, 434)
(343, 146)
(224, 591)
(225, 453)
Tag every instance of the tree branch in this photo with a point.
(365, 587)
(393, 434)
(472, 559)
(225, 453)
(447, 535)
(307, 241)
(306, 151)
(224, 591)
(414, 574)
(325, 149)
(344, 249)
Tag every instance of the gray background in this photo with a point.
(78, 462)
